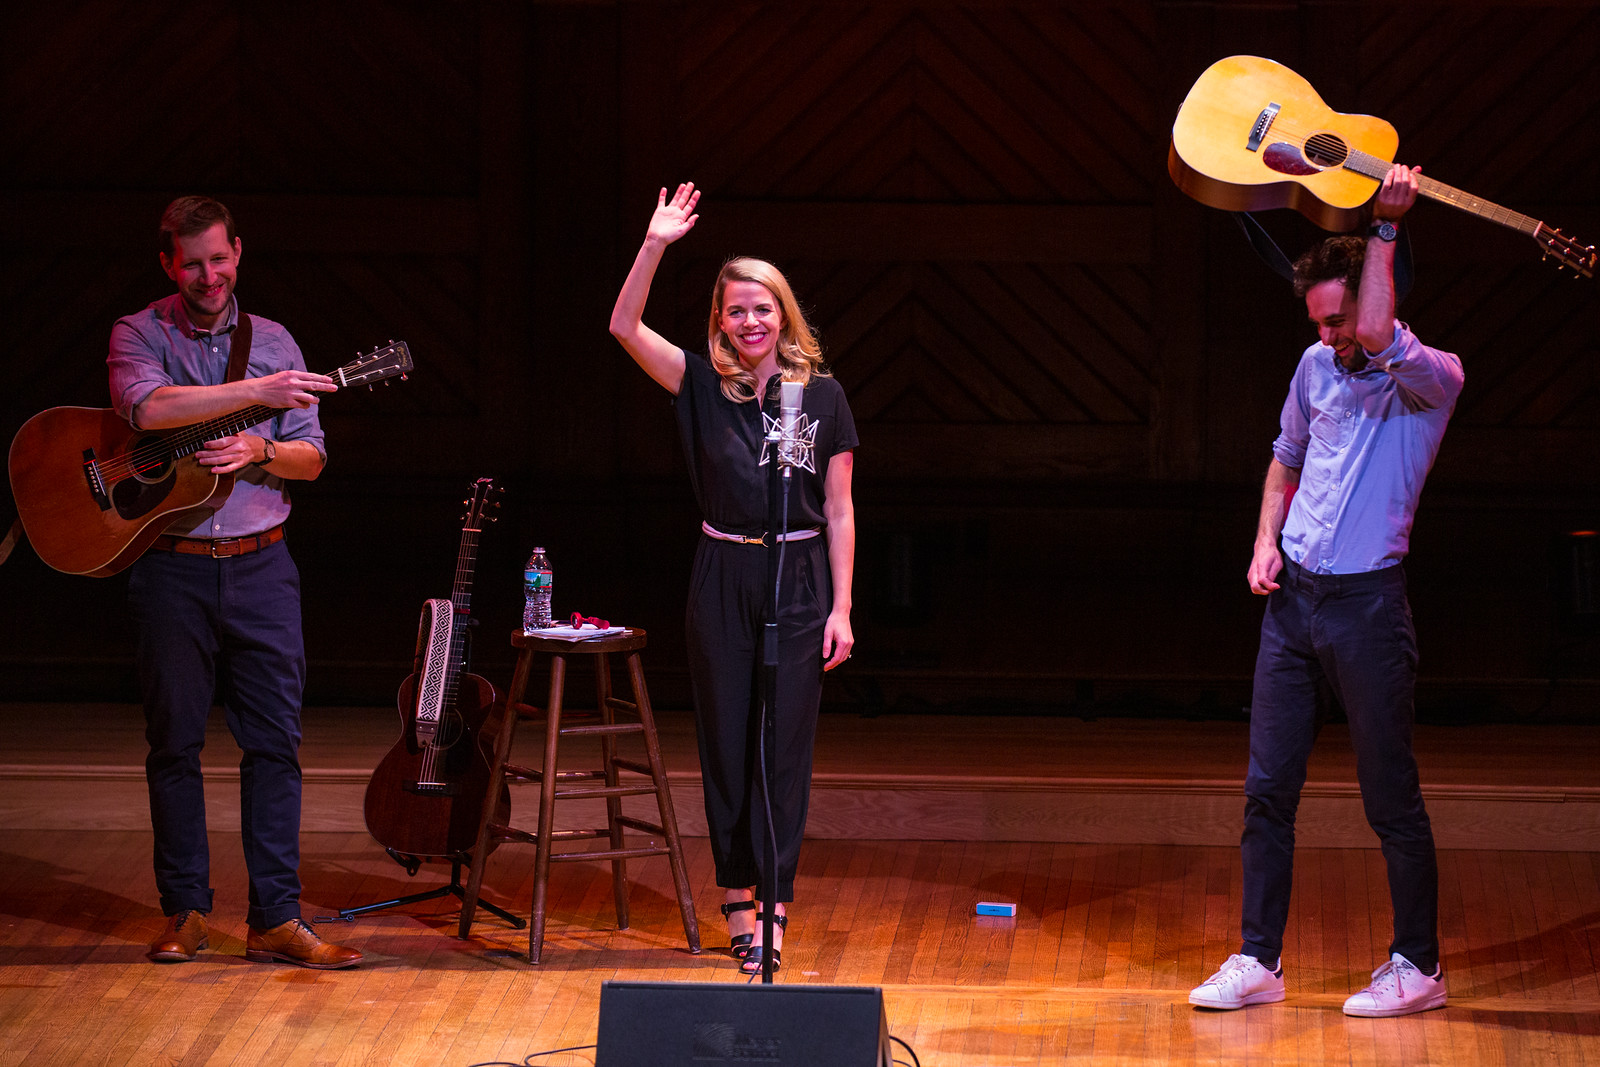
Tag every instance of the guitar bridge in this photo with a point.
(1258, 132)
(433, 789)
(97, 484)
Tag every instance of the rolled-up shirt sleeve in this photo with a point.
(290, 424)
(1294, 423)
(1428, 378)
(136, 369)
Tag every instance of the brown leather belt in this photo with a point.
(219, 547)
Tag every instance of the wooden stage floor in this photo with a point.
(1095, 969)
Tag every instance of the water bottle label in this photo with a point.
(538, 579)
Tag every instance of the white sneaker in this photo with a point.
(1398, 988)
(1241, 981)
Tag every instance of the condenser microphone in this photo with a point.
(797, 440)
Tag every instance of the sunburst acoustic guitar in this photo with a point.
(1252, 134)
(93, 493)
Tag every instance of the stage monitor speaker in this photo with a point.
(697, 1024)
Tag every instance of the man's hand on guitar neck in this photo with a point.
(1376, 297)
(1397, 193)
(180, 405)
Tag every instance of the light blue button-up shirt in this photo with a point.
(1363, 444)
(161, 346)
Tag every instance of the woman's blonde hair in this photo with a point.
(799, 353)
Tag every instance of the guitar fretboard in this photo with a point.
(461, 605)
(1373, 167)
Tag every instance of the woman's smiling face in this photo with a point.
(751, 318)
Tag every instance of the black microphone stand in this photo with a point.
(777, 514)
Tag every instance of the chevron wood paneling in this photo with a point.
(971, 199)
(1508, 104)
(867, 110)
(391, 106)
(905, 101)
(283, 97)
(977, 342)
(1507, 108)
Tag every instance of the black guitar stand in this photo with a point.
(413, 864)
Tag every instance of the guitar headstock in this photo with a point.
(1567, 252)
(392, 360)
(482, 505)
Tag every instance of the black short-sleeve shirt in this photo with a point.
(722, 444)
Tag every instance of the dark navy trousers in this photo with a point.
(226, 630)
(1355, 632)
(725, 619)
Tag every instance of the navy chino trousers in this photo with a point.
(1355, 632)
(224, 629)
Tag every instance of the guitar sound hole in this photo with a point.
(450, 730)
(1326, 150)
(150, 459)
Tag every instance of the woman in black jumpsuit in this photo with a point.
(757, 337)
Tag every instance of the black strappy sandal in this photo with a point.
(754, 954)
(739, 947)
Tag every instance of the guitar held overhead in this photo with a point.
(93, 493)
(1252, 134)
(427, 795)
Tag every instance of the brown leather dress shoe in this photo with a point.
(185, 934)
(295, 942)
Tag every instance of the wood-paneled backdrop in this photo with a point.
(1066, 374)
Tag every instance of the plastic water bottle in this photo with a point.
(537, 583)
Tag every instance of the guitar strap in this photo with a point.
(1266, 248)
(239, 349)
(434, 634)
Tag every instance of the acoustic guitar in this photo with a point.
(426, 797)
(93, 493)
(1252, 134)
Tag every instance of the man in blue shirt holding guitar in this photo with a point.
(217, 596)
(1363, 421)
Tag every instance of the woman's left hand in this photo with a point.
(837, 640)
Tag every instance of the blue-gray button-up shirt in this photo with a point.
(161, 346)
(1363, 444)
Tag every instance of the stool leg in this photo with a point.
(547, 806)
(497, 774)
(669, 819)
(608, 760)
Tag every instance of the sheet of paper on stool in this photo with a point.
(564, 632)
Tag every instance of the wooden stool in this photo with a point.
(554, 784)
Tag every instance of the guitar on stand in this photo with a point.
(1252, 134)
(425, 800)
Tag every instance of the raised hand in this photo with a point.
(1397, 193)
(674, 218)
